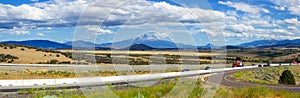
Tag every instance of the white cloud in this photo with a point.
(18, 31)
(62, 13)
(41, 34)
(292, 5)
(99, 31)
(281, 31)
(292, 28)
(49, 28)
(293, 21)
(281, 8)
(245, 7)
(210, 32)
(239, 28)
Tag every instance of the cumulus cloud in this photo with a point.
(292, 27)
(113, 13)
(281, 8)
(239, 28)
(245, 7)
(292, 5)
(18, 31)
(293, 21)
(100, 31)
(61, 13)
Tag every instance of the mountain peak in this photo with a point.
(147, 36)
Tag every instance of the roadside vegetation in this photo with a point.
(269, 75)
(7, 58)
(287, 78)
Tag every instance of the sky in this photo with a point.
(196, 22)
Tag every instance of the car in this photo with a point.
(185, 70)
(253, 64)
(260, 65)
(267, 65)
(208, 68)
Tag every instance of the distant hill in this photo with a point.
(46, 44)
(272, 43)
(207, 46)
(149, 42)
(139, 47)
(80, 43)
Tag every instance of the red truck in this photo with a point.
(294, 63)
(238, 64)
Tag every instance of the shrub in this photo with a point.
(53, 61)
(22, 49)
(239, 74)
(287, 78)
(57, 55)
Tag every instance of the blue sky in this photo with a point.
(185, 21)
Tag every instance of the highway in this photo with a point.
(14, 85)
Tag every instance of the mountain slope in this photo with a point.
(80, 43)
(272, 43)
(40, 44)
(139, 47)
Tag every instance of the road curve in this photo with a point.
(229, 82)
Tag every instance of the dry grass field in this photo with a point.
(182, 53)
(31, 56)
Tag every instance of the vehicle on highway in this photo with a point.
(294, 63)
(238, 64)
(208, 68)
(264, 65)
(185, 70)
(253, 64)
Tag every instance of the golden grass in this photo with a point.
(31, 56)
(186, 53)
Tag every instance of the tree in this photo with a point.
(287, 78)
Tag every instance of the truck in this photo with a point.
(238, 64)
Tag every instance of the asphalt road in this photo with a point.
(15, 85)
(229, 82)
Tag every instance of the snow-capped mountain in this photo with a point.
(149, 39)
(148, 36)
